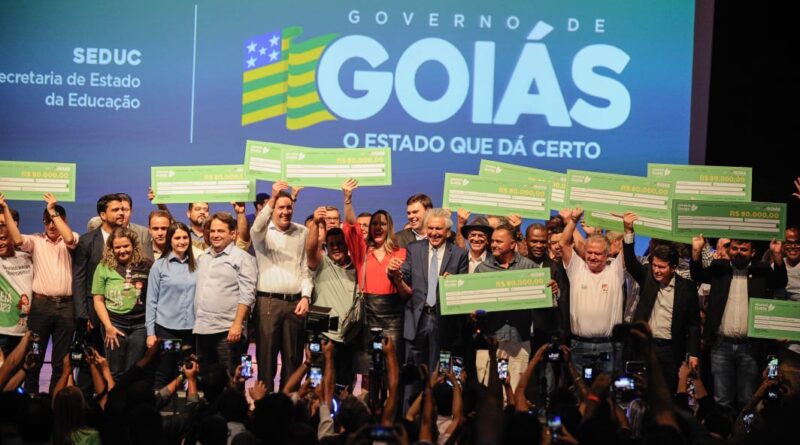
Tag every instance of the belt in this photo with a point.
(592, 339)
(734, 340)
(429, 309)
(661, 341)
(278, 296)
(53, 299)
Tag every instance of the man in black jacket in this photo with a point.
(734, 356)
(667, 302)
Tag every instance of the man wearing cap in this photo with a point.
(477, 234)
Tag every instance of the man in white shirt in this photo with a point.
(595, 300)
(284, 285)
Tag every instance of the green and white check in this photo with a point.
(201, 183)
(495, 291)
(28, 181)
(493, 197)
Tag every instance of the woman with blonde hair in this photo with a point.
(119, 288)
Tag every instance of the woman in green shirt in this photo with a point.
(119, 287)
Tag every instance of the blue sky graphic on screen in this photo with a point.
(119, 87)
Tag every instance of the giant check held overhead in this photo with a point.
(330, 167)
(263, 160)
(737, 220)
(23, 180)
(705, 182)
(504, 172)
(495, 291)
(492, 197)
(655, 225)
(201, 183)
(776, 319)
(617, 193)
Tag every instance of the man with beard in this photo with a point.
(197, 214)
(734, 356)
(114, 210)
(284, 285)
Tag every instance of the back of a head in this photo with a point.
(523, 428)
(38, 423)
(144, 425)
(233, 406)
(301, 434)
(213, 430)
(353, 414)
(272, 417)
(214, 380)
(443, 398)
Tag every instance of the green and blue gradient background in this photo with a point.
(115, 149)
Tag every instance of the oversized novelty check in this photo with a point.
(505, 172)
(655, 225)
(24, 180)
(330, 167)
(617, 193)
(737, 220)
(493, 197)
(705, 182)
(263, 160)
(495, 291)
(776, 319)
(201, 183)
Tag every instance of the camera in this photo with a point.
(458, 366)
(444, 362)
(635, 367)
(319, 320)
(554, 425)
(78, 344)
(624, 384)
(772, 367)
(247, 366)
(381, 433)
(588, 374)
(377, 339)
(502, 369)
(315, 375)
(315, 344)
(35, 349)
(171, 345)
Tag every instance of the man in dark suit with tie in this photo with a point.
(114, 210)
(667, 302)
(425, 330)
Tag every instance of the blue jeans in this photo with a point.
(586, 353)
(735, 370)
(131, 348)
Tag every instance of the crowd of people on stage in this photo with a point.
(149, 329)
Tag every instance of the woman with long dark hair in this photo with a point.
(169, 313)
(69, 415)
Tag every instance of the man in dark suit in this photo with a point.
(425, 330)
(667, 302)
(416, 206)
(115, 211)
(735, 357)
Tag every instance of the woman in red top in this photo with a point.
(377, 260)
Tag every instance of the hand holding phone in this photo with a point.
(502, 369)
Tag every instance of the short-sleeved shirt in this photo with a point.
(596, 299)
(124, 289)
(16, 278)
(52, 264)
(334, 286)
(377, 280)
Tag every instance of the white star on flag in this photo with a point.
(251, 48)
(262, 51)
(273, 56)
(274, 40)
(251, 62)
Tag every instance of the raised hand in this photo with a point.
(628, 219)
(51, 201)
(698, 242)
(347, 188)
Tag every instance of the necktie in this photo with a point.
(433, 279)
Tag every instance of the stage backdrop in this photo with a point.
(117, 87)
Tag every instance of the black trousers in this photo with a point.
(278, 330)
(669, 366)
(50, 320)
(215, 348)
(167, 367)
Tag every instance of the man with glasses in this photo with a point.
(52, 311)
